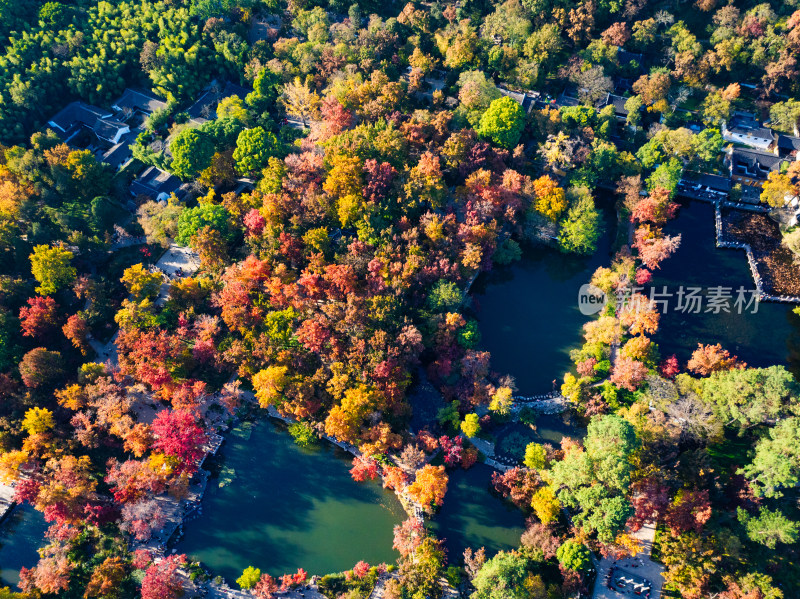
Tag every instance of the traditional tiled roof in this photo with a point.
(153, 182)
(75, 115)
(752, 163)
(788, 142)
(745, 123)
(110, 130)
(716, 182)
(139, 99)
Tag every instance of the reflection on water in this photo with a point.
(529, 318)
(21, 535)
(528, 313)
(759, 339)
(288, 507)
(473, 517)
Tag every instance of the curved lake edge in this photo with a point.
(529, 319)
(284, 502)
(21, 536)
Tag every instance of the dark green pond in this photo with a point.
(21, 535)
(759, 339)
(528, 313)
(529, 318)
(287, 507)
(474, 517)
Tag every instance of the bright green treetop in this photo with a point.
(503, 122)
(502, 577)
(574, 556)
(191, 153)
(535, 456)
(471, 427)
(192, 220)
(253, 150)
(249, 578)
(51, 268)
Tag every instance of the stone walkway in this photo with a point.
(639, 566)
(177, 262)
(223, 591)
(6, 500)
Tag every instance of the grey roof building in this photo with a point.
(618, 102)
(156, 184)
(118, 154)
(746, 129)
(788, 147)
(69, 121)
(138, 100)
(751, 167)
(110, 130)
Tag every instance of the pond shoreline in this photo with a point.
(413, 510)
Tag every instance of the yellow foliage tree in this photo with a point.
(605, 330)
(10, 464)
(300, 101)
(38, 421)
(429, 487)
(269, 384)
(778, 189)
(550, 198)
(71, 397)
(501, 401)
(546, 505)
(142, 283)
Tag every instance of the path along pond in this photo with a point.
(281, 507)
(472, 516)
(276, 506)
(529, 318)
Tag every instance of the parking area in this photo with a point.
(625, 583)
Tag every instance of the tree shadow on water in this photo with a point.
(267, 515)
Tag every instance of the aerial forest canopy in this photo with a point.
(331, 178)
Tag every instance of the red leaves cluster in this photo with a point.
(364, 468)
(408, 536)
(178, 435)
(132, 480)
(669, 368)
(653, 246)
(650, 498)
(452, 449)
(162, 581)
(379, 178)
(656, 208)
(77, 331)
(518, 484)
(689, 511)
(361, 569)
(38, 317)
(254, 221)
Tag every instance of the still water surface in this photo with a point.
(287, 507)
(529, 318)
(21, 535)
